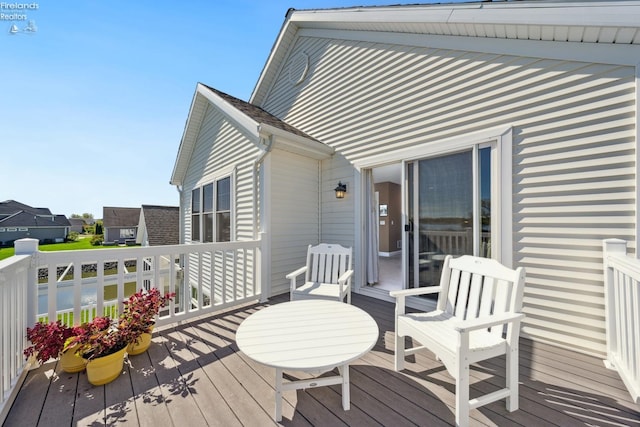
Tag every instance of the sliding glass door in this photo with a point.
(448, 211)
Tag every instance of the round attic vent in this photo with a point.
(298, 68)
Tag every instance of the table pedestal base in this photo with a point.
(342, 378)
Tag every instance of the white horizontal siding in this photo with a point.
(295, 213)
(220, 147)
(338, 215)
(573, 153)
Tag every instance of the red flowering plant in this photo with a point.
(140, 311)
(97, 338)
(47, 340)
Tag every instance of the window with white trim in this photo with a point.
(195, 214)
(127, 233)
(211, 211)
(223, 209)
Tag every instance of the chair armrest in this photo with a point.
(345, 276)
(483, 323)
(401, 294)
(296, 273)
(415, 291)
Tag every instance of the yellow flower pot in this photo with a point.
(139, 346)
(71, 363)
(103, 370)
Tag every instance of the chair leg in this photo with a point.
(278, 411)
(512, 379)
(462, 394)
(399, 353)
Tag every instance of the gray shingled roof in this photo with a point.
(163, 224)
(258, 114)
(120, 217)
(16, 214)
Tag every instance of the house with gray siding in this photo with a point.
(509, 129)
(77, 224)
(19, 221)
(120, 224)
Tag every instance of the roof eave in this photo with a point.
(602, 16)
(296, 143)
(204, 94)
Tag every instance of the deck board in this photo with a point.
(193, 374)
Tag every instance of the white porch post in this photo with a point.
(263, 279)
(29, 246)
(610, 247)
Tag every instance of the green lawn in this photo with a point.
(82, 243)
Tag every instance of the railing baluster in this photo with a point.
(622, 280)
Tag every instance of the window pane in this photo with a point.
(126, 233)
(208, 227)
(445, 214)
(485, 202)
(195, 201)
(223, 194)
(223, 223)
(207, 198)
(195, 228)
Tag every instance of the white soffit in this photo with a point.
(569, 14)
(615, 24)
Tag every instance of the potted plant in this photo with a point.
(139, 317)
(103, 344)
(48, 341)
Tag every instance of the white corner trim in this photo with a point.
(637, 157)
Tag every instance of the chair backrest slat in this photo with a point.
(463, 294)
(475, 292)
(487, 297)
(326, 263)
(479, 287)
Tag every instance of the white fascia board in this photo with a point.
(605, 13)
(285, 33)
(235, 115)
(566, 51)
(295, 143)
(185, 144)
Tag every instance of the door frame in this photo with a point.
(501, 180)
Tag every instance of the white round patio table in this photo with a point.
(313, 336)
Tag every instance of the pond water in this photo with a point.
(64, 297)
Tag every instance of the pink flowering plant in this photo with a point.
(98, 338)
(47, 340)
(140, 311)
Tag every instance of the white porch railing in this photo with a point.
(76, 286)
(622, 311)
(14, 273)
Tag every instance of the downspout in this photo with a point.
(268, 144)
(264, 261)
(181, 222)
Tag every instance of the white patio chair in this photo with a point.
(477, 317)
(327, 274)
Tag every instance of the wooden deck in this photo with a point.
(194, 375)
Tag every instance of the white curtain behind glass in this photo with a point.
(371, 228)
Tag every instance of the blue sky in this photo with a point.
(94, 101)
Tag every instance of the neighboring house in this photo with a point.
(158, 225)
(18, 221)
(512, 128)
(77, 224)
(120, 224)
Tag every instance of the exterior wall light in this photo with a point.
(340, 190)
